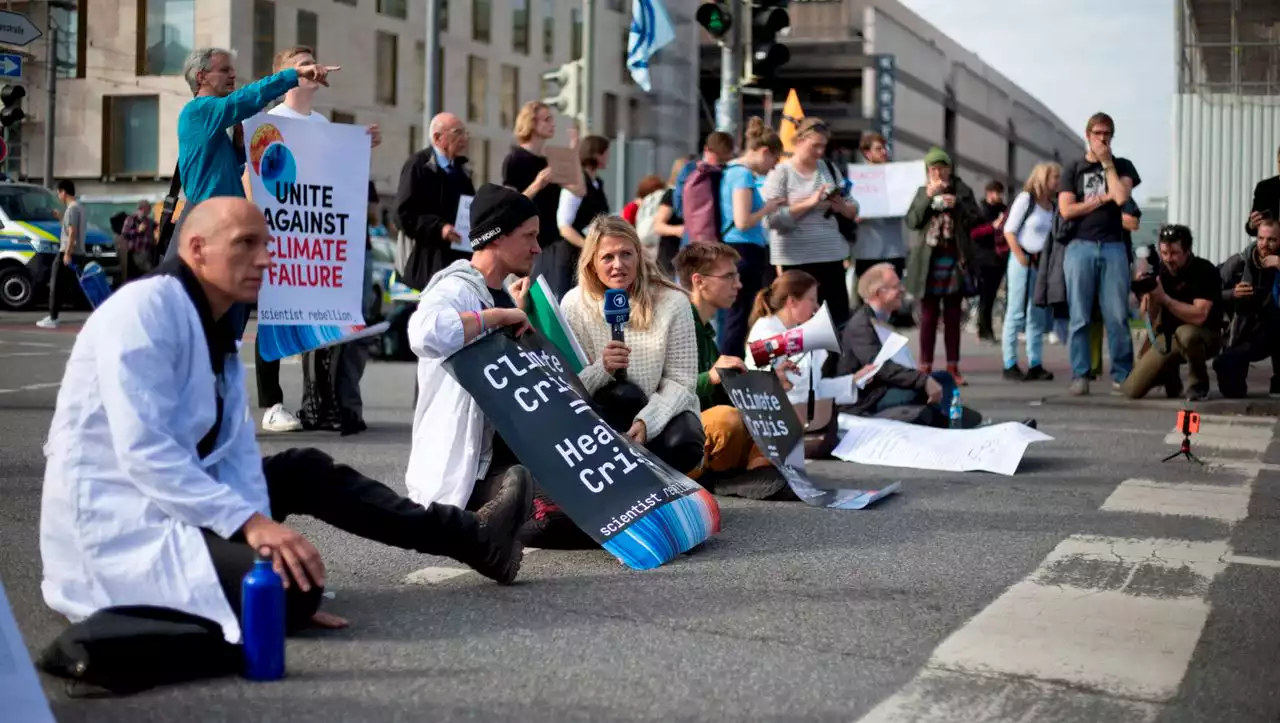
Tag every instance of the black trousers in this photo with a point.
(267, 375)
(752, 269)
(1232, 364)
(831, 288)
(63, 284)
(989, 280)
(309, 482)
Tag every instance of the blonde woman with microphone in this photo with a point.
(656, 406)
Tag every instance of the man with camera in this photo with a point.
(1249, 294)
(1181, 301)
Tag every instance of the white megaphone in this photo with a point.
(816, 333)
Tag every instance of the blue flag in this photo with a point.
(651, 30)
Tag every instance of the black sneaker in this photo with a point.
(1198, 393)
(1038, 373)
(500, 520)
(1014, 374)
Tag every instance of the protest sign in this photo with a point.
(885, 190)
(994, 448)
(462, 225)
(544, 315)
(634, 505)
(566, 168)
(311, 181)
(779, 434)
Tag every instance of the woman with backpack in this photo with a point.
(806, 227)
(1027, 227)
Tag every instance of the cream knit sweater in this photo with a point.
(664, 357)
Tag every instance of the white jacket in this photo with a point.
(452, 440)
(125, 491)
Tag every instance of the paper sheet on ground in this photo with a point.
(462, 225)
(996, 448)
(889, 347)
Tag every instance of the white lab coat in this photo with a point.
(452, 440)
(125, 492)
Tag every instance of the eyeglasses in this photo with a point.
(731, 276)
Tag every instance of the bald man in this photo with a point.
(155, 492)
(432, 183)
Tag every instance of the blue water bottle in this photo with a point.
(955, 411)
(262, 621)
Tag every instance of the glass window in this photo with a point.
(626, 72)
(634, 111)
(477, 89)
(520, 26)
(444, 16)
(71, 40)
(509, 99)
(610, 115)
(167, 36)
(481, 20)
(133, 132)
(29, 204)
(614, 5)
(549, 29)
(309, 30)
(575, 35)
(12, 164)
(388, 47)
(394, 8)
(480, 163)
(420, 74)
(415, 139)
(264, 37)
(342, 116)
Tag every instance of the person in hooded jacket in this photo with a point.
(1250, 286)
(457, 458)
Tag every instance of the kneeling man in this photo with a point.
(155, 492)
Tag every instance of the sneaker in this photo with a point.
(1117, 387)
(500, 521)
(1014, 374)
(47, 323)
(1079, 387)
(954, 371)
(1038, 373)
(278, 419)
(1054, 338)
(1198, 393)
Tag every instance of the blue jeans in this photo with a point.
(898, 397)
(1020, 312)
(1098, 272)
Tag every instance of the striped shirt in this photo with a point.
(814, 238)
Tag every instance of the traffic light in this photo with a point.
(569, 79)
(768, 19)
(715, 18)
(11, 112)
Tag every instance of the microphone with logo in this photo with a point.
(617, 311)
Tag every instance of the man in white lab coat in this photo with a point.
(457, 459)
(155, 492)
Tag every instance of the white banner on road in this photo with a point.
(885, 190)
(311, 181)
(996, 448)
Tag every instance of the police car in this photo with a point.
(29, 225)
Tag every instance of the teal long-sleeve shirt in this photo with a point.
(209, 162)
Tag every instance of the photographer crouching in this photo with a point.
(1249, 292)
(1180, 299)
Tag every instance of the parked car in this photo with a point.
(394, 301)
(29, 224)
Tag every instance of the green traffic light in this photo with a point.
(714, 18)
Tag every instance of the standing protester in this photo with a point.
(698, 194)
(1251, 285)
(940, 268)
(139, 234)
(155, 490)
(1266, 202)
(806, 235)
(991, 255)
(744, 210)
(880, 240)
(63, 282)
(668, 223)
(1026, 230)
(320, 408)
(1096, 263)
(526, 168)
(577, 208)
(432, 183)
(1182, 303)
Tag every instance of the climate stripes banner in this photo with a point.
(633, 504)
(277, 342)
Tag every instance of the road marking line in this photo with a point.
(28, 343)
(33, 353)
(1250, 439)
(1235, 559)
(31, 387)
(1226, 503)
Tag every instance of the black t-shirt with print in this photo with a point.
(1197, 280)
(1088, 180)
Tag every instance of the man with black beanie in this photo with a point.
(457, 459)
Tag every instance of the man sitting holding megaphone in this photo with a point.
(637, 332)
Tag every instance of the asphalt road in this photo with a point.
(1096, 584)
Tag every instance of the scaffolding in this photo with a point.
(1228, 47)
